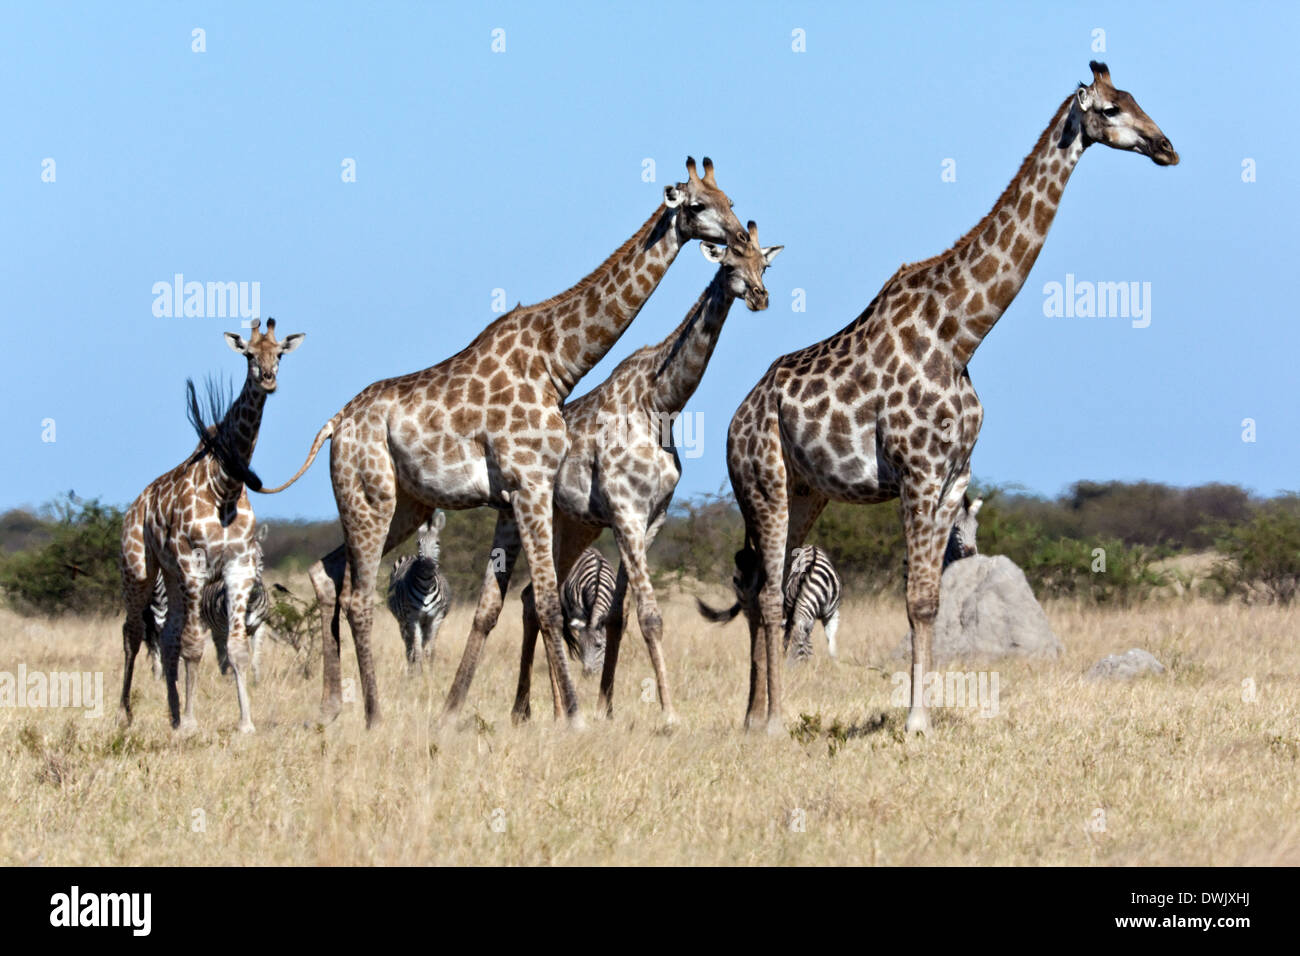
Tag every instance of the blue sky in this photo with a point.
(522, 170)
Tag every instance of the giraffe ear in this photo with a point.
(711, 252)
(673, 197)
(770, 253)
(1086, 97)
(261, 532)
(439, 519)
(975, 506)
(236, 343)
(291, 342)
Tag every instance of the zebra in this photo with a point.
(418, 595)
(811, 594)
(585, 602)
(961, 540)
(811, 567)
(212, 612)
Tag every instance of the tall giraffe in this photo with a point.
(622, 467)
(885, 408)
(484, 427)
(194, 524)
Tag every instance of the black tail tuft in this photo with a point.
(715, 615)
(214, 441)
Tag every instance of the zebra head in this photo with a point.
(961, 540)
(427, 543)
(588, 643)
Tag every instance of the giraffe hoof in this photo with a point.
(247, 728)
(187, 727)
(774, 727)
(918, 722)
(577, 722)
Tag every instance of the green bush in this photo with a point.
(1262, 554)
(76, 570)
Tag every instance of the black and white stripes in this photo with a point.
(212, 612)
(811, 594)
(585, 602)
(418, 595)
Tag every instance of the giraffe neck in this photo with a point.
(589, 318)
(978, 278)
(677, 364)
(238, 431)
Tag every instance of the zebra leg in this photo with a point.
(411, 638)
(614, 625)
(831, 625)
(431, 628)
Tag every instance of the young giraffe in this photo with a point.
(621, 467)
(484, 427)
(885, 407)
(195, 523)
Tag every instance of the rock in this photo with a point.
(987, 609)
(1132, 663)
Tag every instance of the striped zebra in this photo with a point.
(961, 540)
(212, 613)
(418, 595)
(585, 602)
(811, 594)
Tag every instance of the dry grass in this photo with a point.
(1185, 771)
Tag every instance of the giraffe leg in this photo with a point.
(927, 521)
(327, 580)
(632, 545)
(239, 584)
(523, 708)
(533, 515)
(138, 573)
(496, 578)
(570, 540)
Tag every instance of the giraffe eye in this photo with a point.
(1111, 111)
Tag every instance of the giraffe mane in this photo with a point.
(969, 236)
(213, 439)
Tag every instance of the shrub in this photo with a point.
(1262, 554)
(76, 570)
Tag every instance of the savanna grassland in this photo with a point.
(1173, 769)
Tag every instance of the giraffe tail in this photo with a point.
(326, 432)
(715, 615)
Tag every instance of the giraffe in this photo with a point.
(885, 408)
(622, 467)
(484, 427)
(195, 523)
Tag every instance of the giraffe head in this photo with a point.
(427, 544)
(1112, 117)
(961, 540)
(703, 210)
(263, 352)
(743, 268)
